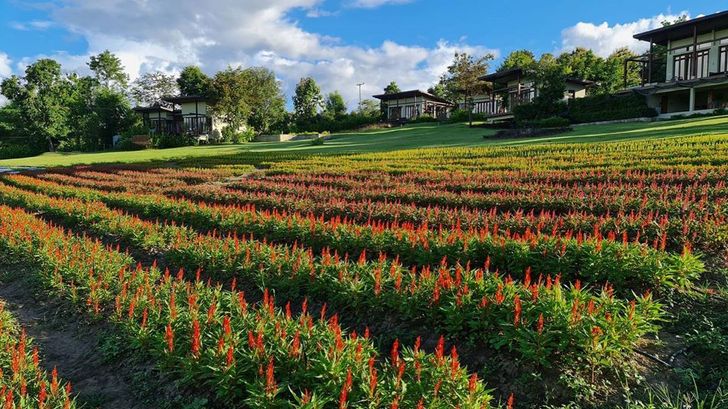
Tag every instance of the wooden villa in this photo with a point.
(408, 105)
(686, 68)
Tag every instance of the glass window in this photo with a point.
(723, 59)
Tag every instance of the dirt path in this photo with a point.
(71, 345)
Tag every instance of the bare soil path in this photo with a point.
(85, 353)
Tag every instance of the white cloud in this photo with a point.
(38, 25)
(369, 4)
(5, 71)
(5, 66)
(166, 36)
(604, 38)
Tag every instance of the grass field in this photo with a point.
(418, 267)
(410, 137)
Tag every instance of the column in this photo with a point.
(692, 99)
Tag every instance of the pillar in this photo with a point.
(692, 99)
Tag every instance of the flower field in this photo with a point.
(390, 280)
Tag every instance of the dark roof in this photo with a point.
(411, 94)
(154, 108)
(579, 81)
(502, 75)
(186, 98)
(685, 29)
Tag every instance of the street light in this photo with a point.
(359, 85)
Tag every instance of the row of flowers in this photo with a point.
(538, 317)
(240, 354)
(597, 259)
(24, 384)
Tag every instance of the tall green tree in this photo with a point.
(462, 78)
(392, 88)
(151, 87)
(41, 98)
(549, 79)
(335, 107)
(229, 90)
(265, 99)
(517, 59)
(109, 70)
(192, 81)
(307, 100)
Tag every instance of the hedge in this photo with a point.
(609, 108)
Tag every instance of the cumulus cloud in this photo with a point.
(166, 36)
(5, 71)
(605, 38)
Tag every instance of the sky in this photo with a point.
(339, 43)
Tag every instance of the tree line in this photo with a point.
(51, 110)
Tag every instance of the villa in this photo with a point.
(686, 68)
(513, 87)
(181, 115)
(412, 104)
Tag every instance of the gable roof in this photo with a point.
(502, 75)
(411, 94)
(705, 24)
(180, 99)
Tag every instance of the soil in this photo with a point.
(79, 349)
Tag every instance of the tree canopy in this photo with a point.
(334, 106)
(109, 70)
(192, 81)
(307, 100)
(392, 88)
(151, 87)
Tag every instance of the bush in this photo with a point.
(609, 108)
(553, 122)
(162, 141)
(423, 119)
(538, 110)
(317, 141)
(17, 151)
(126, 144)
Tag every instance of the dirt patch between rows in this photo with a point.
(72, 345)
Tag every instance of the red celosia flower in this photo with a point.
(195, 338)
(516, 310)
(511, 401)
(270, 382)
(169, 336)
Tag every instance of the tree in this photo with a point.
(335, 107)
(229, 90)
(392, 88)
(151, 87)
(614, 72)
(192, 81)
(307, 101)
(114, 115)
(108, 70)
(549, 79)
(518, 59)
(371, 108)
(41, 98)
(265, 99)
(438, 90)
(463, 78)
(583, 64)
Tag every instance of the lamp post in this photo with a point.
(359, 85)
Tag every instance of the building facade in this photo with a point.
(686, 69)
(409, 105)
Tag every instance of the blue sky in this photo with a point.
(338, 42)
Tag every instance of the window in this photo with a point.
(683, 66)
(723, 59)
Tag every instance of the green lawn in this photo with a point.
(415, 136)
